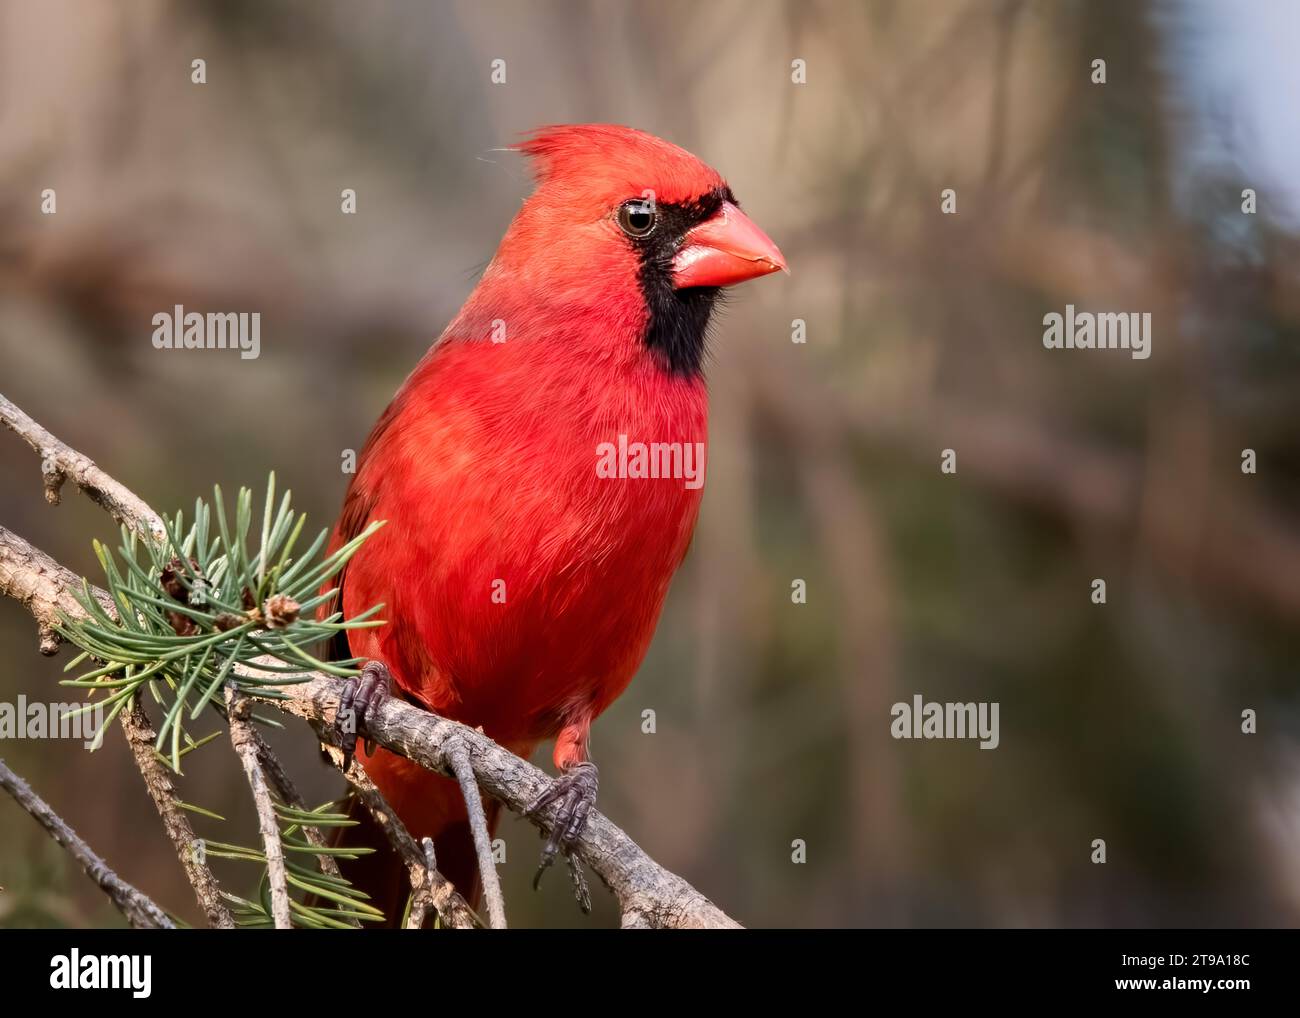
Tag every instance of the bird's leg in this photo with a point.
(573, 792)
(361, 694)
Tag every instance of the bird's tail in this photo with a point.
(429, 805)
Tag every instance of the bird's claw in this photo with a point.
(575, 792)
(362, 694)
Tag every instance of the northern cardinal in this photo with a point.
(522, 582)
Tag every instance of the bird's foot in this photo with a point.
(575, 792)
(362, 695)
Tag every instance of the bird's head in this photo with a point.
(632, 225)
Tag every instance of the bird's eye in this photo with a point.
(636, 217)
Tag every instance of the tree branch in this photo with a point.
(139, 910)
(288, 793)
(244, 740)
(428, 885)
(141, 738)
(487, 868)
(60, 461)
(422, 893)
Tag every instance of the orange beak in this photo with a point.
(724, 250)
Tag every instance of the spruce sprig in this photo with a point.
(193, 610)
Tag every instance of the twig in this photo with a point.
(422, 895)
(289, 795)
(487, 868)
(40, 585)
(242, 737)
(60, 461)
(139, 910)
(421, 865)
(142, 739)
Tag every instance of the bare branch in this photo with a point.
(289, 795)
(141, 738)
(243, 739)
(429, 886)
(40, 585)
(422, 894)
(139, 910)
(487, 867)
(59, 462)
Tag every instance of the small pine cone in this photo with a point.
(226, 622)
(170, 578)
(280, 611)
(182, 625)
(247, 599)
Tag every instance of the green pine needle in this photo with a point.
(188, 643)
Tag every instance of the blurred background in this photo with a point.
(924, 332)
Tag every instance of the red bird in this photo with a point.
(522, 582)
